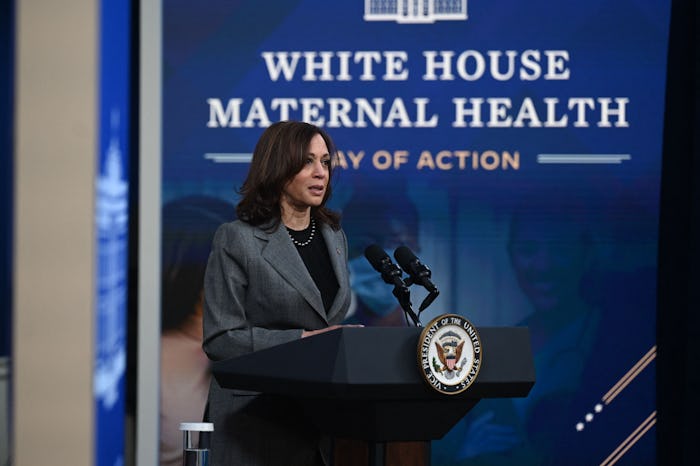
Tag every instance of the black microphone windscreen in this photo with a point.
(375, 254)
(404, 256)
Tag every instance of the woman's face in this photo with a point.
(308, 187)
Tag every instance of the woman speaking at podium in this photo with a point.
(276, 274)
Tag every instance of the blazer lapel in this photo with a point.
(281, 254)
(336, 252)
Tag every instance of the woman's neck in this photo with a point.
(296, 219)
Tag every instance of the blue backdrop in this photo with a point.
(514, 146)
(112, 227)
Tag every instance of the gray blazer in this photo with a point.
(257, 294)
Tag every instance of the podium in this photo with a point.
(365, 383)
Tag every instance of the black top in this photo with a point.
(317, 261)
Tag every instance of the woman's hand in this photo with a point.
(310, 333)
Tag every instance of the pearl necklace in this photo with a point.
(311, 236)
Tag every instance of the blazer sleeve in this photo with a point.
(227, 331)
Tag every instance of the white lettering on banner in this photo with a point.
(318, 66)
(415, 112)
(426, 160)
(502, 113)
(333, 112)
(471, 65)
(606, 111)
(341, 159)
(488, 160)
(475, 112)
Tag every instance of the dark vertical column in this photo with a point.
(6, 171)
(679, 254)
(6, 214)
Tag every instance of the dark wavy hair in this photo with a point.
(279, 155)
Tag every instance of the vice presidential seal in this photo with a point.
(449, 353)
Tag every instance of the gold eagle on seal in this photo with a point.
(449, 354)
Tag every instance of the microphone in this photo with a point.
(382, 263)
(418, 272)
(391, 274)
